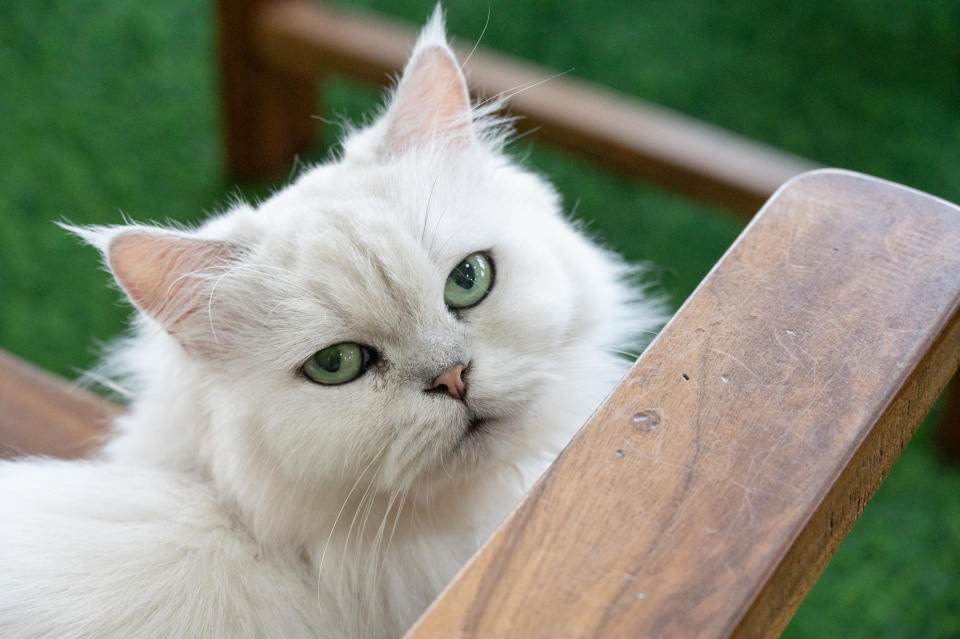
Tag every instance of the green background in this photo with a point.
(109, 108)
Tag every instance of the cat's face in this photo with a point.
(346, 257)
(357, 256)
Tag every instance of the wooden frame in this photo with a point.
(707, 494)
(306, 40)
(41, 414)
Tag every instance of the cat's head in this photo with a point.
(401, 316)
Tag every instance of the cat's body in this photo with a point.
(241, 499)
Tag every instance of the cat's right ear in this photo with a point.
(168, 275)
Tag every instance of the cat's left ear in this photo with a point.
(168, 275)
(431, 104)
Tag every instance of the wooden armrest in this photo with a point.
(709, 491)
(706, 495)
(41, 414)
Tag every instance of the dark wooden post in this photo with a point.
(266, 110)
(948, 435)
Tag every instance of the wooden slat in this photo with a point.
(626, 134)
(267, 113)
(41, 414)
(706, 495)
(948, 431)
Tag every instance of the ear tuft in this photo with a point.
(434, 32)
(431, 104)
(96, 236)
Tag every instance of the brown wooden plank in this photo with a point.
(41, 414)
(267, 112)
(624, 133)
(705, 496)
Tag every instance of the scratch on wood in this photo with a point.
(739, 361)
(776, 336)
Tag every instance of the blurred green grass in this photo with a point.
(110, 107)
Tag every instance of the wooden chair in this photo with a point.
(707, 494)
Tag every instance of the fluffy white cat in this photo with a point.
(337, 394)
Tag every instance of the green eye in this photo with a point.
(469, 282)
(338, 364)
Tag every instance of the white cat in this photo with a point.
(338, 394)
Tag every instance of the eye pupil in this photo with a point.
(465, 275)
(329, 359)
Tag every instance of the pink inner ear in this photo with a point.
(156, 271)
(432, 103)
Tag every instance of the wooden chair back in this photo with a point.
(706, 495)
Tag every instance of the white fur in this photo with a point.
(238, 499)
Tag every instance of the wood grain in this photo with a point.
(41, 414)
(623, 133)
(705, 496)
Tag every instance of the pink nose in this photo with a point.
(451, 381)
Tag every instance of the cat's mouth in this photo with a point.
(477, 425)
(475, 428)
